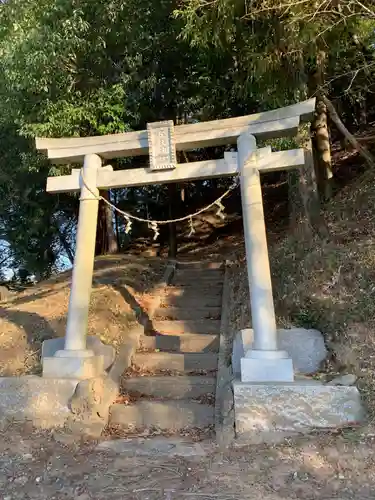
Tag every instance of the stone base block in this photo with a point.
(44, 402)
(94, 396)
(268, 412)
(267, 370)
(93, 343)
(306, 347)
(73, 367)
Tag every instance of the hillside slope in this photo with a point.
(121, 288)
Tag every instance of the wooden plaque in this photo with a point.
(162, 148)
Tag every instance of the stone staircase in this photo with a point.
(173, 381)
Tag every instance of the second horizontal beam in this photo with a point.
(208, 169)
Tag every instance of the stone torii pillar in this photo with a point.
(264, 361)
(75, 360)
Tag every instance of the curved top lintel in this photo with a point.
(269, 124)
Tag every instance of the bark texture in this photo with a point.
(106, 241)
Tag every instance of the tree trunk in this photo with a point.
(310, 193)
(66, 246)
(348, 136)
(173, 205)
(112, 246)
(363, 111)
(320, 130)
(305, 216)
(100, 242)
(322, 150)
(106, 242)
(163, 239)
(299, 179)
(117, 232)
(117, 224)
(304, 203)
(294, 200)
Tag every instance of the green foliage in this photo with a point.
(72, 68)
(77, 68)
(280, 46)
(27, 212)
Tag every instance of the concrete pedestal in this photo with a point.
(267, 412)
(67, 364)
(267, 366)
(51, 346)
(306, 347)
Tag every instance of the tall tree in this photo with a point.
(288, 51)
(73, 68)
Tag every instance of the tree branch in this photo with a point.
(4, 260)
(352, 72)
(350, 137)
(372, 13)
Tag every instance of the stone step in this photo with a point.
(171, 387)
(192, 302)
(207, 326)
(182, 313)
(169, 415)
(189, 274)
(199, 270)
(179, 362)
(189, 291)
(196, 283)
(181, 343)
(183, 265)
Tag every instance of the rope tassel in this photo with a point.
(220, 210)
(155, 228)
(128, 226)
(192, 230)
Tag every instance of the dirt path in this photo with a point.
(36, 466)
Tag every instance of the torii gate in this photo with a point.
(265, 362)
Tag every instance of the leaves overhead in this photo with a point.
(77, 68)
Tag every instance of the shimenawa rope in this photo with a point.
(153, 224)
